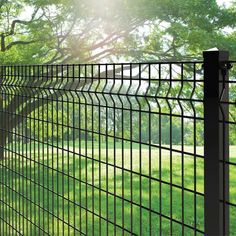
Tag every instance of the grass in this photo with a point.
(52, 188)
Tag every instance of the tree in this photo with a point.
(69, 31)
(65, 31)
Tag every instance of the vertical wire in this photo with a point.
(26, 154)
(17, 160)
(160, 153)
(40, 157)
(23, 189)
(17, 154)
(10, 146)
(2, 206)
(131, 152)
(57, 152)
(6, 129)
(41, 123)
(83, 165)
(68, 146)
(7, 165)
(114, 146)
(52, 154)
(122, 147)
(7, 199)
(223, 115)
(171, 154)
(36, 72)
(182, 147)
(13, 161)
(21, 221)
(20, 162)
(80, 164)
(2, 167)
(11, 156)
(7, 162)
(94, 142)
(119, 97)
(2, 164)
(92, 118)
(195, 149)
(149, 150)
(31, 77)
(24, 120)
(10, 152)
(5, 179)
(36, 159)
(8, 149)
(140, 147)
(74, 155)
(13, 167)
(118, 129)
(107, 155)
(47, 155)
(170, 144)
(5, 216)
(24, 173)
(63, 155)
(99, 154)
(4, 161)
(28, 139)
(86, 152)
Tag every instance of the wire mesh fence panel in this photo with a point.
(228, 165)
(107, 149)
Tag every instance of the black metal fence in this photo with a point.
(118, 149)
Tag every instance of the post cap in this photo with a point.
(212, 49)
(218, 54)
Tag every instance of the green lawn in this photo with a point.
(53, 186)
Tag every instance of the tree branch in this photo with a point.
(10, 45)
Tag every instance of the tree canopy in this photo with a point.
(67, 31)
(79, 31)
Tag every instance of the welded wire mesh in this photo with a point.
(102, 149)
(228, 161)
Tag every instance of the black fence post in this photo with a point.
(216, 139)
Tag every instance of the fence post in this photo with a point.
(216, 143)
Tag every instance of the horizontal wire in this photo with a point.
(110, 136)
(162, 215)
(114, 166)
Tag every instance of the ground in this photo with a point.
(50, 189)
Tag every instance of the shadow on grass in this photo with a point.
(71, 194)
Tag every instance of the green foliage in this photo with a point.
(48, 123)
(75, 30)
(68, 31)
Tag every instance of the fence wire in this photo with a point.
(228, 161)
(108, 149)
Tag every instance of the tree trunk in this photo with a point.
(2, 145)
(3, 133)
